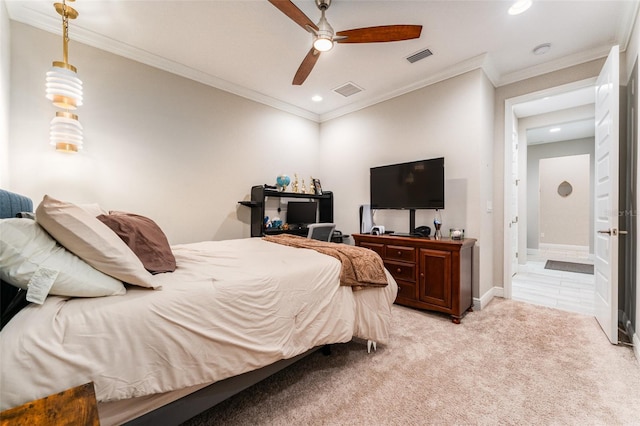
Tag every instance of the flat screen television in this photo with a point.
(301, 213)
(413, 185)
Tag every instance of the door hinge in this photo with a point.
(516, 255)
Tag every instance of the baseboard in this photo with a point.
(485, 299)
(563, 247)
(636, 346)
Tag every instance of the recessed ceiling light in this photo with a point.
(316, 98)
(541, 49)
(554, 129)
(519, 6)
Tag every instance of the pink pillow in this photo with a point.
(144, 237)
(92, 241)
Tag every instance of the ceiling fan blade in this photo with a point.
(292, 11)
(306, 66)
(379, 34)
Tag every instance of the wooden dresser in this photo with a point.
(431, 274)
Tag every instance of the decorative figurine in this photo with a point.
(282, 181)
(437, 223)
(294, 186)
(304, 190)
(312, 188)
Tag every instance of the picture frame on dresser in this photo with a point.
(318, 186)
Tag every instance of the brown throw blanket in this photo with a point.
(361, 267)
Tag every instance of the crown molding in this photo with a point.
(453, 71)
(556, 65)
(50, 23)
(81, 35)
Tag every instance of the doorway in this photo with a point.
(535, 121)
(558, 270)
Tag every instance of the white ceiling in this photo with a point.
(250, 48)
(581, 127)
(560, 132)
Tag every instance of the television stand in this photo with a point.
(431, 274)
(412, 220)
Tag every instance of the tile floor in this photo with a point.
(567, 291)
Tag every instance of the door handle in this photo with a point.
(612, 231)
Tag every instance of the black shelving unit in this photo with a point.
(257, 206)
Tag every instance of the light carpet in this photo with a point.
(510, 364)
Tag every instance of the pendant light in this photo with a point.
(64, 89)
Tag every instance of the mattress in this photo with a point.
(230, 307)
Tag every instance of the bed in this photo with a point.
(230, 314)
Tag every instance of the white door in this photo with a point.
(606, 196)
(513, 226)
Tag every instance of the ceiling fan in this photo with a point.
(325, 37)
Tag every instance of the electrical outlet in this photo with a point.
(542, 235)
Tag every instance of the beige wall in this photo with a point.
(156, 144)
(564, 220)
(452, 119)
(5, 79)
(537, 153)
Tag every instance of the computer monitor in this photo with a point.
(301, 213)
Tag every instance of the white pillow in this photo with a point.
(25, 247)
(92, 241)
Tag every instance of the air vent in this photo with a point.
(419, 55)
(348, 89)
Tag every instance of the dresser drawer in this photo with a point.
(406, 290)
(401, 271)
(407, 254)
(378, 248)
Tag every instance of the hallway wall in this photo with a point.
(535, 153)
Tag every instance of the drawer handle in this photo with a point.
(399, 270)
(421, 274)
(399, 253)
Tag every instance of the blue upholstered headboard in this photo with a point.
(11, 204)
(12, 299)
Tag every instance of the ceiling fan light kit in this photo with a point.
(324, 34)
(323, 44)
(325, 37)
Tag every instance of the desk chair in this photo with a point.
(321, 231)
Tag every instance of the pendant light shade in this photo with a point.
(66, 132)
(64, 90)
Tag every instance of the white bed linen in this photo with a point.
(230, 307)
